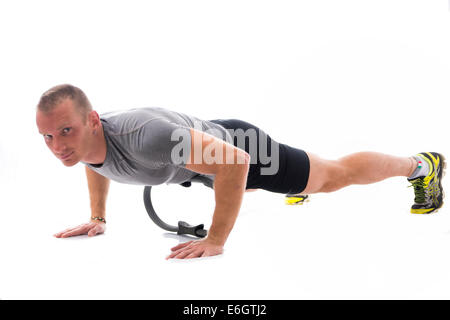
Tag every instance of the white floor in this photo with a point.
(358, 243)
(329, 77)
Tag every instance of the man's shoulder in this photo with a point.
(127, 121)
(147, 112)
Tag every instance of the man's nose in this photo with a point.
(58, 146)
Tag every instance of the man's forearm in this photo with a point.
(98, 191)
(229, 188)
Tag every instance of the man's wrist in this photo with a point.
(216, 239)
(98, 219)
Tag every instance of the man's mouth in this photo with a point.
(65, 157)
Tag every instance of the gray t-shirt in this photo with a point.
(145, 146)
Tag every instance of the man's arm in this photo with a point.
(98, 186)
(229, 188)
(98, 190)
(230, 165)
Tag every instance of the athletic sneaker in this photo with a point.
(297, 199)
(428, 190)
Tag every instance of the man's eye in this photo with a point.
(66, 130)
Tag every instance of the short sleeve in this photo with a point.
(160, 142)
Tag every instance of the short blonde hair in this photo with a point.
(53, 96)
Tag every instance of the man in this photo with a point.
(142, 146)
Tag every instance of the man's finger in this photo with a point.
(181, 245)
(93, 231)
(76, 232)
(184, 253)
(59, 234)
(173, 254)
(179, 252)
(195, 254)
(64, 231)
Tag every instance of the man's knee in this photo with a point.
(326, 175)
(322, 175)
(336, 176)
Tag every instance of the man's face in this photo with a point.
(64, 132)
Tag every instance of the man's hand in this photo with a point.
(91, 228)
(195, 249)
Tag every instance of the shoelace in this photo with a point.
(419, 190)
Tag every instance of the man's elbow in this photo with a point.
(247, 158)
(236, 171)
(245, 163)
(243, 158)
(239, 162)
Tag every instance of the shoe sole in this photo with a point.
(444, 168)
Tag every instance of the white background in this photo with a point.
(330, 77)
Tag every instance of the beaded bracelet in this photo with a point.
(99, 219)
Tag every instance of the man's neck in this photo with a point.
(98, 148)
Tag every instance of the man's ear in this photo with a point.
(93, 119)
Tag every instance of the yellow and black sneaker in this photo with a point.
(296, 199)
(428, 190)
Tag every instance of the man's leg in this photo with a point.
(356, 168)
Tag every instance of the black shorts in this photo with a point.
(283, 171)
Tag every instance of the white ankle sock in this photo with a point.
(422, 168)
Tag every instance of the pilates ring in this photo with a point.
(182, 227)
